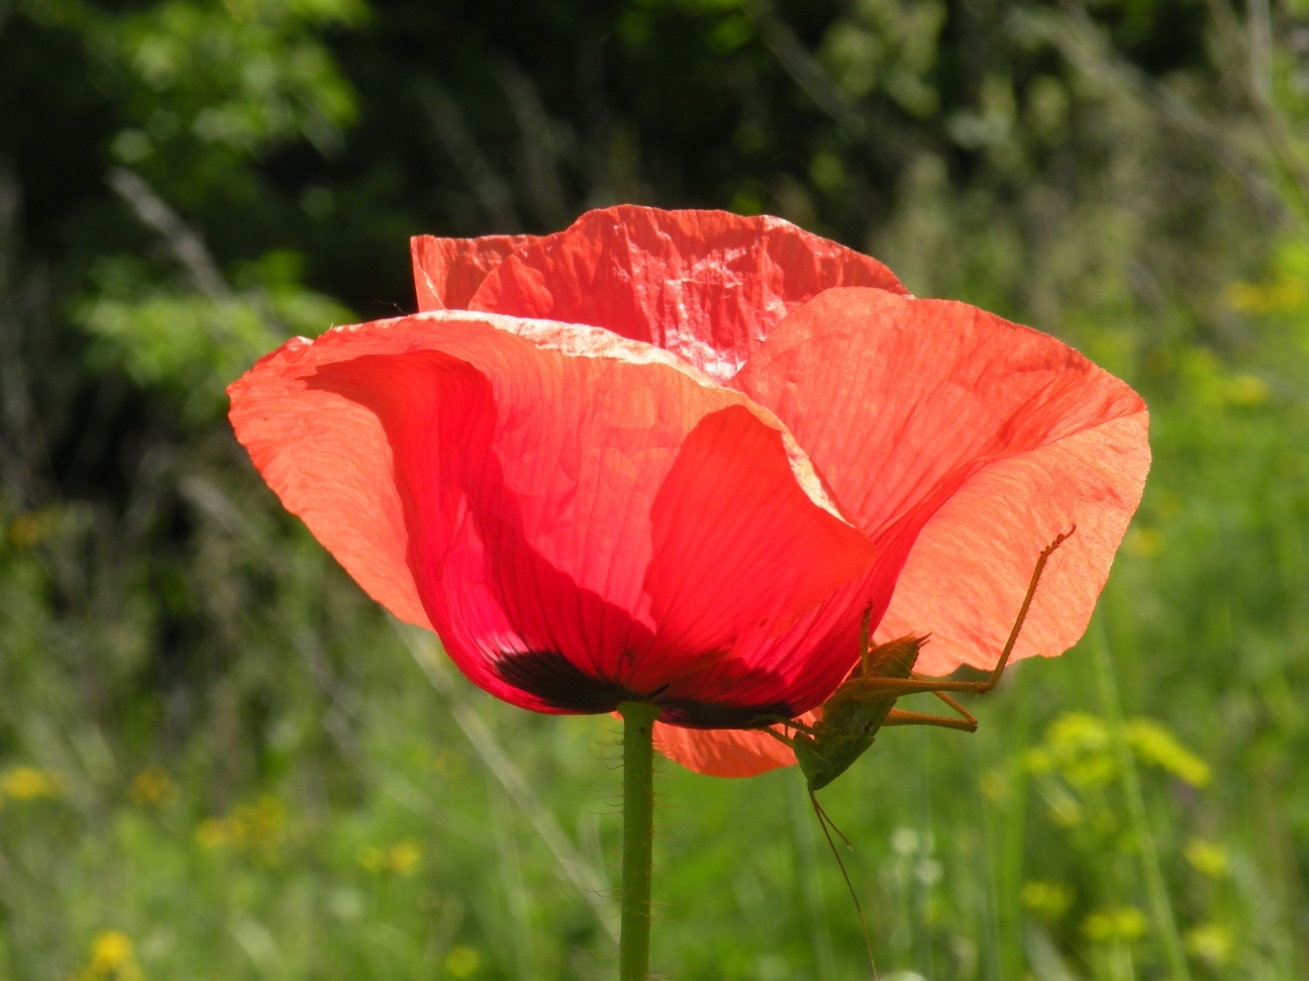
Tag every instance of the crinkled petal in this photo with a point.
(706, 285)
(448, 271)
(529, 476)
(999, 436)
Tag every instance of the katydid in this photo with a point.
(865, 703)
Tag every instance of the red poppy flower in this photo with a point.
(673, 456)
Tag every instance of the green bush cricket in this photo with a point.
(864, 703)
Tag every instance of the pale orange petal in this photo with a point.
(998, 436)
(722, 752)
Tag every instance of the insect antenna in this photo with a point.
(825, 818)
(824, 822)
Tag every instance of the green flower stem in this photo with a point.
(638, 838)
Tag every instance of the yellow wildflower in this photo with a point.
(1145, 542)
(29, 528)
(402, 858)
(1207, 857)
(256, 829)
(1115, 924)
(1047, 900)
(213, 833)
(29, 783)
(151, 788)
(1210, 943)
(1155, 744)
(462, 962)
(1261, 298)
(112, 959)
(1245, 391)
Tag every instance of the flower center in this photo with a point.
(554, 679)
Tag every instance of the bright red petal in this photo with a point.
(706, 285)
(998, 436)
(531, 477)
(735, 545)
(448, 271)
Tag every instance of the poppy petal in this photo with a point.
(329, 462)
(531, 476)
(707, 285)
(712, 570)
(448, 271)
(722, 752)
(998, 436)
(830, 644)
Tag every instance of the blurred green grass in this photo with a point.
(1006, 854)
(218, 760)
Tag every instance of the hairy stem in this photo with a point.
(638, 840)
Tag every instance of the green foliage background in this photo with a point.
(218, 760)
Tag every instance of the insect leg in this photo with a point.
(917, 683)
(948, 700)
(956, 706)
(930, 686)
(913, 686)
(1027, 602)
(791, 724)
(899, 717)
(864, 642)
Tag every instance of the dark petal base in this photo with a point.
(551, 677)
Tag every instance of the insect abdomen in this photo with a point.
(853, 714)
